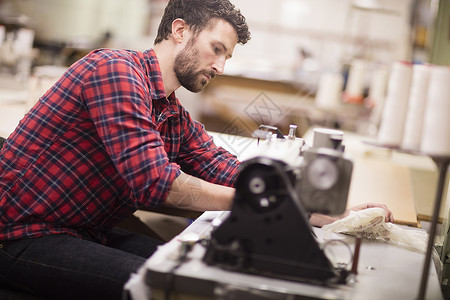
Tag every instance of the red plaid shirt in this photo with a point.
(102, 142)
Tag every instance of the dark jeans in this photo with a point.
(65, 267)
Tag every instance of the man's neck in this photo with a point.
(166, 58)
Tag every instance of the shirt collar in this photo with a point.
(156, 81)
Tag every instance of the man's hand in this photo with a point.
(389, 215)
(320, 220)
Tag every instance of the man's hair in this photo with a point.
(198, 14)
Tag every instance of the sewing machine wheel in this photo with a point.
(260, 187)
(267, 232)
(322, 173)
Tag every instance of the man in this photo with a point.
(108, 138)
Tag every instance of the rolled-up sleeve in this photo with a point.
(199, 156)
(119, 104)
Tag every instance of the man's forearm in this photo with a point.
(192, 193)
(320, 220)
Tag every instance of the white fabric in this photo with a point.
(370, 223)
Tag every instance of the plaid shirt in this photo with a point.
(102, 142)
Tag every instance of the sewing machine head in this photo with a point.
(322, 172)
(267, 231)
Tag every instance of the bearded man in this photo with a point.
(110, 137)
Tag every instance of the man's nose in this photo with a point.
(219, 66)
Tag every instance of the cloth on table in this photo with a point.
(370, 223)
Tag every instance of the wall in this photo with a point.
(57, 20)
(440, 51)
(332, 32)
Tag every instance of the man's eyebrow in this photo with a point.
(226, 49)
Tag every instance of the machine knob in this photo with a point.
(322, 173)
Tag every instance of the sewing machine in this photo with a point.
(265, 248)
(275, 192)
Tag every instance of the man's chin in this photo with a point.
(198, 87)
(193, 89)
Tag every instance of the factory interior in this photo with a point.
(347, 66)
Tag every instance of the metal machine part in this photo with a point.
(267, 231)
(322, 173)
(324, 180)
(292, 130)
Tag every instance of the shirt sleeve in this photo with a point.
(200, 157)
(118, 100)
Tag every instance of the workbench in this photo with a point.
(384, 272)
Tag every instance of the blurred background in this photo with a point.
(309, 62)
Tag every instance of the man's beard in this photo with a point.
(185, 66)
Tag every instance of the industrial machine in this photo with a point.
(267, 231)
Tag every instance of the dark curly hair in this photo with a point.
(198, 14)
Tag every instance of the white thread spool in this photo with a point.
(396, 104)
(377, 93)
(330, 90)
(378, 84)
(2, 34)
(436, 125)
(416, 107)
(354, 89)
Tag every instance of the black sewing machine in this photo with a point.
(267, 231)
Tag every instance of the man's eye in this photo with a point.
(216, 49)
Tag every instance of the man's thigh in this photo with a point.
(132, 242)
(64, 267)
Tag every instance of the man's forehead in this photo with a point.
(223, 32)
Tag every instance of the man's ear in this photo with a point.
(178, 30)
